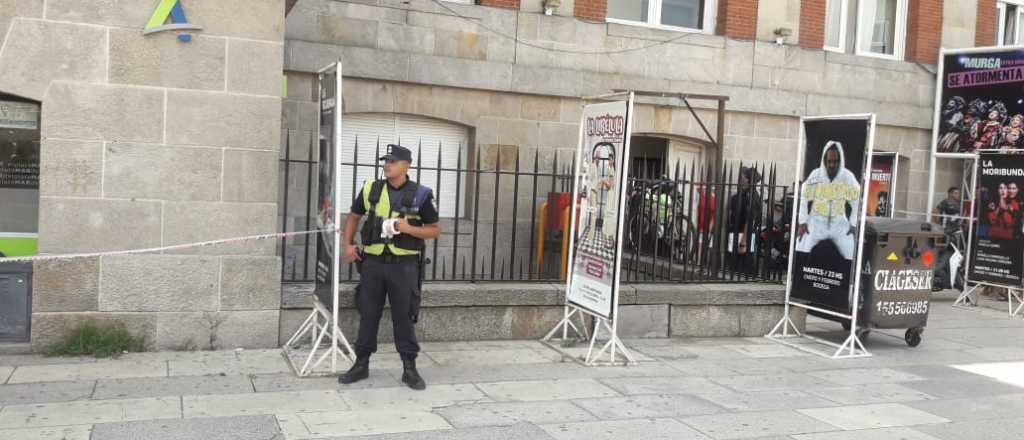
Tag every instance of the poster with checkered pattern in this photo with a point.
(600, 180)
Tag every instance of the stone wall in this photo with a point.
(486, 311)
(149, 141)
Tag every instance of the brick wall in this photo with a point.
(985, 33)
(924, 30)
(812, 23)
(737, 18)
(591, 9)
(507, 4)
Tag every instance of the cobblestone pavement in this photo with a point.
(723, 388)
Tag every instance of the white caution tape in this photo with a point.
(159, 249)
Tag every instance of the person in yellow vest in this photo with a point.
(400, 215)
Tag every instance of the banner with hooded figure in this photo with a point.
(979, 105)
(600, 180)
(881, 185)
(829, 211)
(997, 254)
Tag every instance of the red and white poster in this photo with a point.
(882, 185)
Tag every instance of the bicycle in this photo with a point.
(655, 217)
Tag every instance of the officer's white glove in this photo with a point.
(388, 229)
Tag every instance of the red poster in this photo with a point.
(880, 186)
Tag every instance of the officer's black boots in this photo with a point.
(360, 370)
(411, 377)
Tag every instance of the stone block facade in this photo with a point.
(149, 141)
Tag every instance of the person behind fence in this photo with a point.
(826, 193)
(948, 210)
(744, 219)
(390, 261)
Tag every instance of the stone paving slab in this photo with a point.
(563, 389)
(217, 428)
(865, 376)
(663, 385)
(648, 406)
(756, 424)
(701, 367)
(883, 415)
(264, 383)
(77, 432)
(580, 353)
(432, 347)
(664, 352)
(797, 381)
(868, 394)
(937, 372)
(767, 351)
(46, 392)
(104, 369)
(962, 388)
(5, 372)
(982, 408)
(19, 360)
(766, 400)
(227, 405)
(229, 362)
(762, 366)
(869, 434)
(494, 357)
(363, 422)
(171, 386)
(510, 413)
(647, 429)
(517, 431)
(435, 396)
(1004, 429)
(89, 412)
(504, 373)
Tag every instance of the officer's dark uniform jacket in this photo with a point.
(390, 268)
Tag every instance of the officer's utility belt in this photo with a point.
(391, 259)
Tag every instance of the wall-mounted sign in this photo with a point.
(170, 16)
(19, 115)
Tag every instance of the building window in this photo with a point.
(1011, 16)
(835, 25)
(690, 15)
(881, 28)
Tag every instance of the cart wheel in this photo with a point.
(913, 337)
(862, 334)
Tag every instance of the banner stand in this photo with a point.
(852, 346)
(965, 300)
(604, 135)
(321, 320)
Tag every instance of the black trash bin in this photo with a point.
(897, 275)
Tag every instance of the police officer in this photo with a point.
(400, 215)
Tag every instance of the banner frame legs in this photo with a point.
(613, 346)
(317, 325)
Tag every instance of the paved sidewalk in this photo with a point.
(734, 388)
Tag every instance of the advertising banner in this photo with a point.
(997, 254)
(326, 202)
(979, 105)
(829, 210)
(600, 180)
(882, 186)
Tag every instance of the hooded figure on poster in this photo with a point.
(826, 193)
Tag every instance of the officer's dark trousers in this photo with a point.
(398, 281)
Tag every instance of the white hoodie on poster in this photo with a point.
(827, 199)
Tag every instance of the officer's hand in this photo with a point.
(402, 225)
(352, 253)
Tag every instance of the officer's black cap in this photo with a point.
(397, 152)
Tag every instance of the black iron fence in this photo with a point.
(504, 212)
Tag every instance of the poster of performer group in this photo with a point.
(997, 254)
(326, 203)
(600, 183)
(882, 185)
(829, 210)
(979, 105)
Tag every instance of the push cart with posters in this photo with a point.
(896, 280)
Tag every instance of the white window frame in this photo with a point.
(1001, 28)
(844, 8)
(654, 14)
(899, 40)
